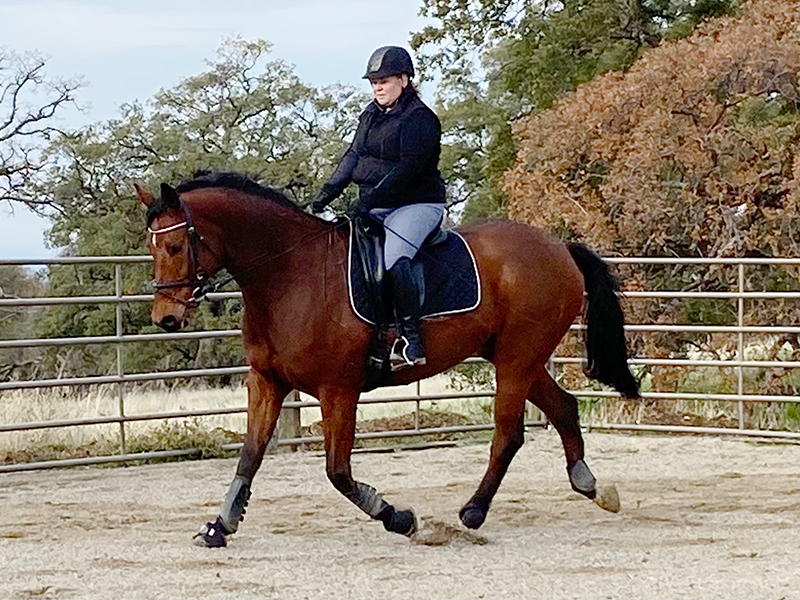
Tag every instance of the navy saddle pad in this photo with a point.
(452, 284)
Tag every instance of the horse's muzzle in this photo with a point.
(170, 324)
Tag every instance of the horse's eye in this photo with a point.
(174, 249)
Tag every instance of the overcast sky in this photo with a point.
(129, 50)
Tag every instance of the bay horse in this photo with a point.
(300, 333)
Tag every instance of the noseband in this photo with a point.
(197, 279)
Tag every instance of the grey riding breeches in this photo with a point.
(406, 229)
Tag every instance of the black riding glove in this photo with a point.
(366, 199)
(326, 195)
(366, 221)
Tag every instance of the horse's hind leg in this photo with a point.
(265, 397)
(339, 419)
(561, 408)
(509, 411)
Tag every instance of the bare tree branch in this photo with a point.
(28, 103)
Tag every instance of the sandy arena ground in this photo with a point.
(701, 518)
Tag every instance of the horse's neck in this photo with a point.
(262, 240)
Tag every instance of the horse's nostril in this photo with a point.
(169, 324)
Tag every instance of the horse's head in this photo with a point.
(182, 258)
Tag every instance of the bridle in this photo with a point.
(197, 278)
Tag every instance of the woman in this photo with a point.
(394, 159)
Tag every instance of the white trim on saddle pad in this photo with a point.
(350, 245)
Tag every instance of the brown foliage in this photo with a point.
(692, 152)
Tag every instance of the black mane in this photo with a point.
(237, 181)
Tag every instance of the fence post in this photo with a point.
(120, 363)
(417, 409)
(740, 345)
(533, 413)
(289, 426)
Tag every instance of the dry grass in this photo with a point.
(209, 434)
(205, 433)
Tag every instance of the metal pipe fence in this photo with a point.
(120, 377)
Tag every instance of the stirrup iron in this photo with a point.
(399, 358)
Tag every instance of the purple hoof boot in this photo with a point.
(211, 535)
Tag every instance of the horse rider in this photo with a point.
(394, 160)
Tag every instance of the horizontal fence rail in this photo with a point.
(121, 340)
(194, 335)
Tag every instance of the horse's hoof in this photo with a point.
(210, 536)
(607, 498)
(472, 517)
(403, 522)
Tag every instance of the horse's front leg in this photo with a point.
(339, 419)
(264, 399)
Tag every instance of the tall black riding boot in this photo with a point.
(407, 350)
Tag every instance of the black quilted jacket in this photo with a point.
(394, 156)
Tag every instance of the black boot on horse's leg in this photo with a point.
(408, 350)
(561, 408)
(231, 513)
(370, 501)
(265, 398)
(581, 479)
(339, 416)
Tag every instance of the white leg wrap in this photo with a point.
(368, 499)
(231, 513)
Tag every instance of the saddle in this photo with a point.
(446, 273)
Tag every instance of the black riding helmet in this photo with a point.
(388, 61)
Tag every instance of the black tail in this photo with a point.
(606, 350)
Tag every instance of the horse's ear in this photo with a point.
(146, 197)
(169, 196)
